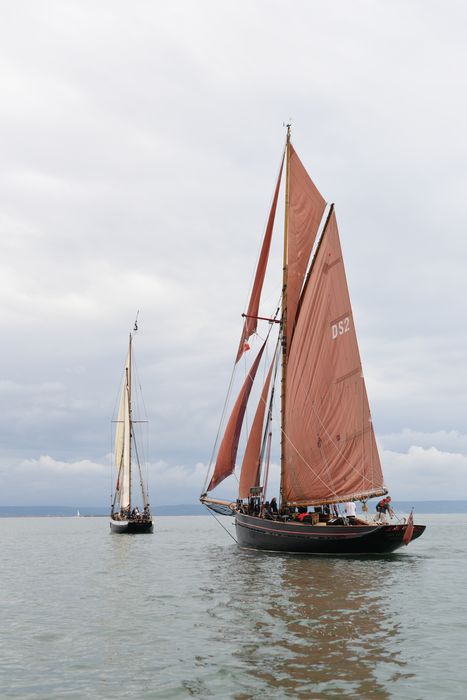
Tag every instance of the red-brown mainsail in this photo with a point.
(330, 448)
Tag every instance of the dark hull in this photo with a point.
(278, 536)
(130, 527)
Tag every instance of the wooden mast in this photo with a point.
(284, 312)
(130, 425)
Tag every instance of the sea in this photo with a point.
(186, 613)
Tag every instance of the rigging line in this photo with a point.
(265, 363)
(311, 468)
(306, 463)
(266, 402)
(141, 483)
(246, 408)
(327, 467)
(363, 427)
(216, 441)
(349, 463)
(269, 417)
(218, 521)
(255, 267)
(111, 460)
(224, 409)
(372, 437)
(223, 414)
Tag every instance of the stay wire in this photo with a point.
(219, 522)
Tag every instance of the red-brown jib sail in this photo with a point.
(225, 463)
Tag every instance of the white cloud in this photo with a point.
(443, 440)
(139, 151)
(426, 473)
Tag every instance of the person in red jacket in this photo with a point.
(384, 506)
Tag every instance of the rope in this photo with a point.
(214, 448)
(218, 521)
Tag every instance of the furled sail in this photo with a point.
(122, 441)
(329, 445)
(225, 463)
(249, 475)
(249, 327)
(306, 209)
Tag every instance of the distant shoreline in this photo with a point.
(420, 507)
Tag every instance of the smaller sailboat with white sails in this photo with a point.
(125, 514)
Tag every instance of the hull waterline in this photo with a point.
(131, 527)
(278, 536)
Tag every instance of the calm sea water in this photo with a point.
(185, 613)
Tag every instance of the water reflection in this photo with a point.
(312, 628)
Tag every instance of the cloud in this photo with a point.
(426, 473)
(47, 481)
(141, 179)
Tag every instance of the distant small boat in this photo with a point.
(125, 516)
(328, 448)
(78, 514)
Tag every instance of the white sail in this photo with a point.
(123, 440)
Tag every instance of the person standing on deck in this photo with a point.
(350, 512)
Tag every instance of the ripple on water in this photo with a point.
(187, 614)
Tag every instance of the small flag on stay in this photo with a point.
(409, 529)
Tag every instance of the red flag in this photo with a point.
(246, 346)
(409, 529)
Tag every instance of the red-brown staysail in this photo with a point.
(250, 473)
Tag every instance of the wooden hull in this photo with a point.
(278, 536)
(131, 527)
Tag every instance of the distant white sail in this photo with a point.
(123, 440)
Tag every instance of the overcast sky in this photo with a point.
(140, 143)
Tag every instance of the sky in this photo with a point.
(140, 144)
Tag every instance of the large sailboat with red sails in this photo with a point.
(314, 382)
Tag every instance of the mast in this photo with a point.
(130, 425)
(284, 307)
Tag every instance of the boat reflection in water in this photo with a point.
(315, 628)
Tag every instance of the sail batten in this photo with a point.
(250, 323)
(225, 463)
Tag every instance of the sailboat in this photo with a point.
(125, 515)
(328, 451)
